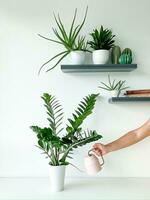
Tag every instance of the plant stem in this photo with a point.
(77, 143)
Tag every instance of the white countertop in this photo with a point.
(76, 189)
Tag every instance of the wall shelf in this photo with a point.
(98, 68)
(129, 99)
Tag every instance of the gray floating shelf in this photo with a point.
(98, 68)
(129, 99)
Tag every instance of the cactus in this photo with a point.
(127, 51)
(126, 56)
(115, 54)
(125, 59)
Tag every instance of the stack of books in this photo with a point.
(138, 93)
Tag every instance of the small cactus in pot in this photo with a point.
(115, 54)
(126, 56)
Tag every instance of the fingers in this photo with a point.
(99, 149)
(96, 146)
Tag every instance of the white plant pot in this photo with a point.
(77, 57)
(114, 93)
(100, 56)
(57, 178)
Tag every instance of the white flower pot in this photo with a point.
(77, 57)
(57, 178)
(114, 93)
(100, 56)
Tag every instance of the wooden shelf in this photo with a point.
(129, 99)
(98, 68)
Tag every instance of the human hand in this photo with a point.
(100, 149)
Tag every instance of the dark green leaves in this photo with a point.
(83, 138)
(58, 148)
(84, 109)
(102, 39)
(87, 137)
(47, 138)
(54, 111)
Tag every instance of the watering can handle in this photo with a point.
(90, 154)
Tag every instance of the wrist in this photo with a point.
(108, 148)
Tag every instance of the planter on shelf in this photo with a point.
(114, 93)
(77, 57)
(115, 54)
(71, 40)
(100, 56)
(102, 41)
(57, 177)
(114, 87)
(126, 56)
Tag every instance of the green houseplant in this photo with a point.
(115, 87)
(102, 41)
(57, 146)
(70, 40)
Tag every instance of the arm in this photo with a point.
(126, 140)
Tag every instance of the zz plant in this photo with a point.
(70, 40)
(57, 146)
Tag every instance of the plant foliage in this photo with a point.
(113, 85)
(70, 40)
(58, 148)
(102, 39)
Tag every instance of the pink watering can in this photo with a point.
(92, 163)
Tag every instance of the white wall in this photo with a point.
(21, 54)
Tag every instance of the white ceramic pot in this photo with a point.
(77, 57)
(57, 178)
(100, 56)
(114, 93)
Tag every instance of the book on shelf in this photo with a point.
(143, 91)
(137, 95)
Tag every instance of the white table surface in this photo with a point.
(76, 189)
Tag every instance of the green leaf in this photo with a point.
(49, 39)
(51, 60)
(54, 112)
(58, 61)
(87, 107)
(72, 25)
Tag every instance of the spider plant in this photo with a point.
(71, 40)
(102, 39)
(58, 146)
(113, 85)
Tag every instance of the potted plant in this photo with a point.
(58, 146)
(115, 87)
(71, 41)
(78, 54)
(102, 41)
